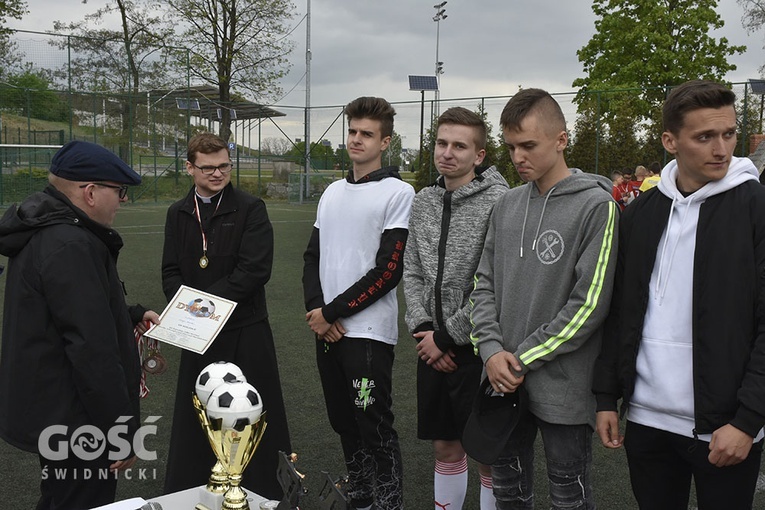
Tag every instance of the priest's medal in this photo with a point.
(203, 261)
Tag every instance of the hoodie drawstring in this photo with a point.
(525, 215)
(661, 286)
(541, 217)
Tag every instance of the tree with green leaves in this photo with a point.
(322, 154)
(645, 44)
(15, 9)
(584, 148)
(235, 44)
(29, 94)
(639, 50)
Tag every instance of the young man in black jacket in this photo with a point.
(685, 340)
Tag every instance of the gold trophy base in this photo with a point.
(235, 498)
(218, 481)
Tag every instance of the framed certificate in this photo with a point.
(192, 320)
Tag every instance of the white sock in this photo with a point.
(450, 484)
(365, 508)
(487, 494)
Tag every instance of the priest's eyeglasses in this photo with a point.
(209, 170)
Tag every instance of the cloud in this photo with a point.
(489, 47)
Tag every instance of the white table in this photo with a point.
(186, 500)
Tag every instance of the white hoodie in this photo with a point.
(663, 396)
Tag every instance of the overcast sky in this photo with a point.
(489, 48)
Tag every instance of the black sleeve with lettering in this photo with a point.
(381, 279)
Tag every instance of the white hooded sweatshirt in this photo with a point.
(663, 396)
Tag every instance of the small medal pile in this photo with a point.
(152, 361)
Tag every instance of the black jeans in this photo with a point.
(356, 376)
(661, 465)
(568, 450)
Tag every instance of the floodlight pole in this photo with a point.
(422, 127)
(440, 15)
(307, 188)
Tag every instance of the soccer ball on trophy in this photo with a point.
(215, 374)
(237, 403)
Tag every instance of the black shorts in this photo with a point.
(444, 400)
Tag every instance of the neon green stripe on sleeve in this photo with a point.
(593, 294)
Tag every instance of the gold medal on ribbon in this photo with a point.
(203, 262)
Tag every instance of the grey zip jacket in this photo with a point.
(543, 289)
(446, 233)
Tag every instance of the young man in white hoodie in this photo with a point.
(685, 340)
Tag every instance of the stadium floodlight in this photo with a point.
(439, 69)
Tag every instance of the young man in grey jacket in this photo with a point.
(446, 232)
(542, 292)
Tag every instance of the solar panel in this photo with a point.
(185, 104)
(233, 113)
(423, 83)
(758, 86)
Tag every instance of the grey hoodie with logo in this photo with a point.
(543, 289)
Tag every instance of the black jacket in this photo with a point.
(728, 307)
(240, 252)
(69, 355)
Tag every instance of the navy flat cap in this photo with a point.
(86, 161)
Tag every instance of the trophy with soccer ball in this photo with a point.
(231, 413)
(212, 376)
(236, 426)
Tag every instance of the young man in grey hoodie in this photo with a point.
(684, 344)
(446, 232)
(542, 291)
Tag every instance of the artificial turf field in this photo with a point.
(317, 446)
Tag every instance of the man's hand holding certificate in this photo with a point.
(192, 319)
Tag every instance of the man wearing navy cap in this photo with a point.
(69, 366)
